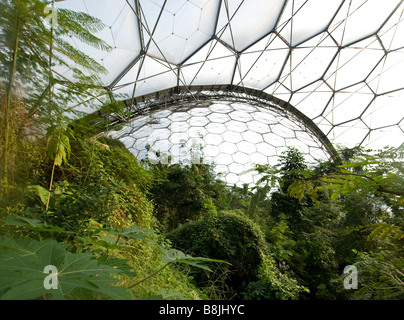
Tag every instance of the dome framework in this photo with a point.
(337, 64)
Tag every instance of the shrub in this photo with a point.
(228, 236)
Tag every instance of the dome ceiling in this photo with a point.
(340, 63)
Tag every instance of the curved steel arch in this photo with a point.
(193, 96)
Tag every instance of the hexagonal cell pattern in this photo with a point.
(340, 63)
(234, 146)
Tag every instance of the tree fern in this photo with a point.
(31, 52)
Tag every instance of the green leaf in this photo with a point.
(173, 256)
(22, 274)
(33, 224)
(41, 192)
(134, 232)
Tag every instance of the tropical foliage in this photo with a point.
(115, 227)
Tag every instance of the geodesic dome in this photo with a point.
(241, 80)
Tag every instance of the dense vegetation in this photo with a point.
(119, 228)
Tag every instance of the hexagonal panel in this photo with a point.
(236, 126)
(232, 136)
(238, 21)
(241, 157)
(252, 137)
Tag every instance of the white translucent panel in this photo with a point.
(240, 157)
(240, 116)
(237, 168)
(252, 137)
(140, 144)
(161, 146)
(282, 131)
(266, 148)
(213, 64)
(258, 158)
(245, 108)
(199, 112)
(159, 123)
(109, 12)
(257, 126)
(309, 18)
(198, 121)
(228, 147)
(125, 30)
(307, 138)
(236, 126)
(392, 33)
(121, 25)
(298, 144)
(197, 132)
(219, 118)
(383, 109)
(214, 139)
(224, 159)
(221, 108)
(312, 99)
(216, 127)
(348, 104)
(231, 136)
(363, 18)
(138, 123)
(279, 90)
(115, 62)
(290, 123)
(245, 178)
(232, 178)
(274, 140)
(154, 76)
(354, 64)
(247, 147)
(159, 134)
(180, 116)
(76, 5)
(259, 67)
(265, 117)
(162, 114)
(350, 134)
(181, 29)
(237, 24)
(179, 127)
(324, 125)
(309, 64)
(127, 79)
(391, 136)
(143, 132)
(388, 76)
(211, 151)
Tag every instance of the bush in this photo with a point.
(228, 236)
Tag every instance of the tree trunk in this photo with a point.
(7, 107)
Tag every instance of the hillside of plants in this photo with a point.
(117, 227)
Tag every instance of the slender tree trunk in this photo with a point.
(7, 107)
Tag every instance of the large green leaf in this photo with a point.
(79, 275)
(173, 256)
(33, 224)
(134, 232)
